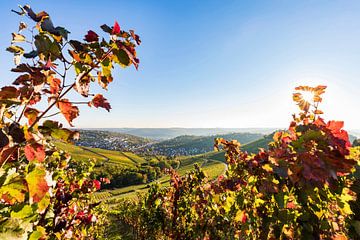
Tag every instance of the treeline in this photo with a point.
(123, 176)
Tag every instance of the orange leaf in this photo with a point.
(69, 111)
(75, 56)
(54, 84)
(34, 152)
(37, 184)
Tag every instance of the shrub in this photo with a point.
(44, 193)
(301, 188)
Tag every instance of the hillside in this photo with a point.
(110, 140)
(192, 145)
(131, 173)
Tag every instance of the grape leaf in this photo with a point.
(116, 29)
(31, 114)
(100, 101)
(69, 111)
(17, 38)
(91, 36)
(37, 184)
(4, 140)
(34, 152)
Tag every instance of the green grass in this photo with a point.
(134, 157)
(114, 156)
(77, 152)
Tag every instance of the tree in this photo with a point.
(43, 191)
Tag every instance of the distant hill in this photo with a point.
(192, 145)
(253, 147)
(355, 132)
(111, 140)
(168, 133)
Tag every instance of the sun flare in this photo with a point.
(308, 96)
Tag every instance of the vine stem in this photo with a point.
(69, 88)
(23, 111)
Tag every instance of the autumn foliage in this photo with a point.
(44, 193)
(301, 188)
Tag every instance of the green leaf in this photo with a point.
(280, 199)
(25, 212)
(14, 192)
(44, 203)
(106, 28)
(39, 233)
(106, 67)
(55, 130)
(121, 58)
(31, 54)
(63, 32)
(45, 46)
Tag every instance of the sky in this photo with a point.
(215, 63)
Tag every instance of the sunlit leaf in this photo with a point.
(100, 101)
(34, 152)
(16, 37)
(69, 111)
(31, 114)
(37, 184)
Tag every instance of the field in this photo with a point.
(211, 163)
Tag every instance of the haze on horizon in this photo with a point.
(224, 64)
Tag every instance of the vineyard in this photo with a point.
(211, 166)
(300, 182)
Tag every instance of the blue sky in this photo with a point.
(216, 63)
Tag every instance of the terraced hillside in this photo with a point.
(116, 160)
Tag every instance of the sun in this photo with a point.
(308, 96)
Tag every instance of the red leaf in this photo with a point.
(49, 64)
(91, 36)
(116, 28)
(9, 154)
(97, 184)
(69, 111)
(34, 152)
(100, 101)
(335, 125)
(290, 205)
